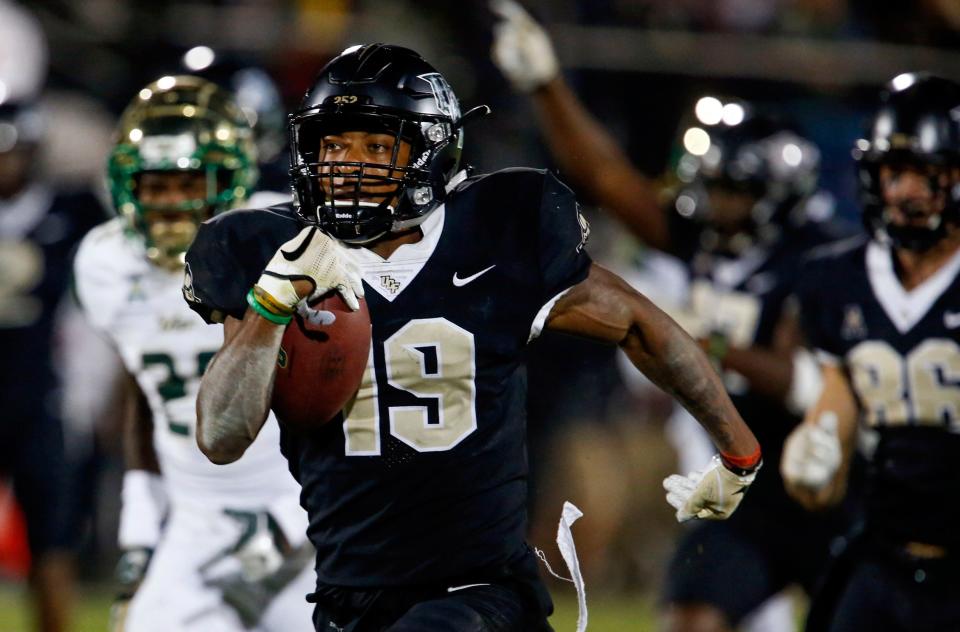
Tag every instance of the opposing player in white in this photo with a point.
(206, 547)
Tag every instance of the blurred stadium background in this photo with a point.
(638, 64)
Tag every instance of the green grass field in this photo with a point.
(606, 614)
(92, 609)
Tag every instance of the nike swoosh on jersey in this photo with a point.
(458, 282)
(299, 250)
(951, 320)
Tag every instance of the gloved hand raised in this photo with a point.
(521, 47)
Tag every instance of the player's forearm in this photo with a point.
(604, 307)
(234, 398)
(589, 156)
(822, 498)
(836, 401)
(674, 361)
(580, 145)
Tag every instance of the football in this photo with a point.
(321, 362)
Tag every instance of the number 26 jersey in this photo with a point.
(901, 351)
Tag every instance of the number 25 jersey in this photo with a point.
(423, 477)
(166, 348)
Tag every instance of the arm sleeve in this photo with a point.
(214, 282)
(562, 233)
(562, 237)
(228, 256)
(94, 282)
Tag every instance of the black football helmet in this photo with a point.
(745, 152)
(917, 124)
(386, 89)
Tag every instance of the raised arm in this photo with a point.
(592, 159)
(587, 154)
(604, 307)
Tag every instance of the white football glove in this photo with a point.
(521, 47)
(812, 453)
(315, 257)
(711, 494)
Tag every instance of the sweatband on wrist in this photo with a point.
(266, 314)
(742, 464)
(266, 299)
(142, 509)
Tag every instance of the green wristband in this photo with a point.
(718, 346)
(276, 319)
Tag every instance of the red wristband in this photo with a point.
(745, 463)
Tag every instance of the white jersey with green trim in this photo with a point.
(166, 347)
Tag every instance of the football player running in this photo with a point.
(416, 492)
(204, 547)
(744, 215)
(889, 342)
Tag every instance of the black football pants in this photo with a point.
(479, 609)
(512, 599)
(882, 594)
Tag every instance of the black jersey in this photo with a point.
(38, 232)
(425, 477)
(902, 352)
(744, 299)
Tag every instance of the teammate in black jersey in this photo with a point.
(741, 222)
(885, 314)
(39, 227)
(417, 496)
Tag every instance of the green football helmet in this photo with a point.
(185, 125)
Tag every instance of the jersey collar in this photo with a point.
(905, 308)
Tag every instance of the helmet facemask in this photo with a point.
(910, 223)
(169, 227)
(359, 202)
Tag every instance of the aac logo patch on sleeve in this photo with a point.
(188, 292)
(584, 229)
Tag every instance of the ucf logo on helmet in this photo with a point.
(442, 94)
